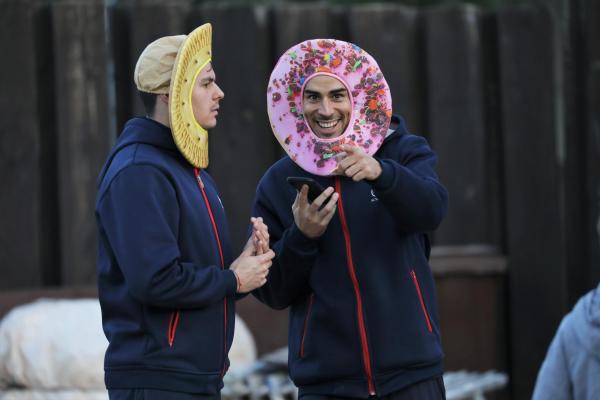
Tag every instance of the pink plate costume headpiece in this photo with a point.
(367, 88)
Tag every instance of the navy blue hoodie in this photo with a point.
(166, 292)
(363, 312)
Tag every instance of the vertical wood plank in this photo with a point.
(590, 12)
(84, 128)
(150, 20)
(456, 114)
(529, 67)
(27, 204)
(393, 35)
(242, 146)
(118, 24)
(471, 282)
(572, 120)
(295, 22)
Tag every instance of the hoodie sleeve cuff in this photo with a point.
(230, 282)
(386, 179)
(299, 241)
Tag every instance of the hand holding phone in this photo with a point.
(314, 208)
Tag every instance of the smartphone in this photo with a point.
(314, 188)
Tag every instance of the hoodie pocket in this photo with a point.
(173, 322)
(305, 326)
(420, 295)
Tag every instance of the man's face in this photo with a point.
(206, 95)
(327, 106)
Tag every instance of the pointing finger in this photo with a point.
(351, 149)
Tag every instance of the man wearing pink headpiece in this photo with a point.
(352, 264)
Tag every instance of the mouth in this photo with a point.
(328, 124)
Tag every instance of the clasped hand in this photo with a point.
(252, 266)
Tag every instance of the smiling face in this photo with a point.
(327, 106)
(206, 95)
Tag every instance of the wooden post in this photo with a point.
(150, 20)
(393, 35)
(572, 120)
(471, 287)
(457, 125)
(118, 24)
(529, 71)
(242, 145)
(591, 10)
(295, 22)
(28, 238)
(84, 129)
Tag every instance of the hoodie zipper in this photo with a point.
(305, 327)
(216, 231)
(359, 309)
(418, 287)
(173, 321)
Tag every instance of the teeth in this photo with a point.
(330, 124)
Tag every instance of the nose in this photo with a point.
(219, 93)
(325, 108)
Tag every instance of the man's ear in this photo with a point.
(164, 98)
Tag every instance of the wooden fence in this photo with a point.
(509, 99)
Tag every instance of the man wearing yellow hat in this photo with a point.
(167, 280)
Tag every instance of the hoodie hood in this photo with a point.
(141, 130)
(145, 130)
(586, 321)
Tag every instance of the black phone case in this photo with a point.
(314, 188)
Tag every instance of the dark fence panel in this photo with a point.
(456, 117)
(150, 20)
(494, 149)
(120, 65)
(293, 23)
(84, 129)
(28, 241)
(487, 89)
(471, 285)
(242, 146)
(393, 35)
(590, 12)
(534, 197)
(572, 152)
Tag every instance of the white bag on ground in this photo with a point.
(53, 344)
(59, 344)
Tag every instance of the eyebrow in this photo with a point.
(338, 91)
(331, 92)
(208, 80)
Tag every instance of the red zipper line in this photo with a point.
(214, 225)
(172, 327)
(361, 323)
(210, 214)
(416, 282)
(310, 303)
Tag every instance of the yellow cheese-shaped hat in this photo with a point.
(193, 56)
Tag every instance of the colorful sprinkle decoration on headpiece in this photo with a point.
(368, 90)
